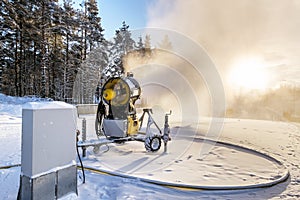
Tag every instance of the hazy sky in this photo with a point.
(237, 32)
(232, 31)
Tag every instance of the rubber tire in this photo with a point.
(96, 149)
(149, 142)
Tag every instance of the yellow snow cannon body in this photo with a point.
(117, 119)
(120, 94)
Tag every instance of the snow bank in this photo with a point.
(12, 106)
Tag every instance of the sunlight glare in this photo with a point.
(249, 73)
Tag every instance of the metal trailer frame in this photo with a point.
(151, 140)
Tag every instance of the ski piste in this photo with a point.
(253, 134)
(282, 175)
(105, 160)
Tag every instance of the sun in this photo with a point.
(249, 73)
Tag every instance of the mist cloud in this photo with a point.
(233, 29)
(229, 29)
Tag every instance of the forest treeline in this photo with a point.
(279, 104)
(43, 43)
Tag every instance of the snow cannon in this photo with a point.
(120, 94)
(117, 119)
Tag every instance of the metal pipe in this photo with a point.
(166, 135)
(83, 137)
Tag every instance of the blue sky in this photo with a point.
(114, 12)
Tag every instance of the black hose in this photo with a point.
(101, 110)
(10, 166)
(81, 164)
(282, 176)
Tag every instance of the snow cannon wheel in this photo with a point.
(153, 143)
(96, 149)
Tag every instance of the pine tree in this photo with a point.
(140, 44)
(144, 48)
(166, 43)
(42, 45)
(56, 54)
(6, 42)
(71, 50)
(13, 14)
(148, 41)
(123, 43)
(94, 30)
(148, 48)
(94, 53)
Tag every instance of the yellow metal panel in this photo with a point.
(133, 126)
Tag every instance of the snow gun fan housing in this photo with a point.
(120, 95)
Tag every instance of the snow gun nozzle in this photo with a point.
(169, 113)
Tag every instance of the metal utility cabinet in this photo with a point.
(48, 169)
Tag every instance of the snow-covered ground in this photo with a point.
(223, 165)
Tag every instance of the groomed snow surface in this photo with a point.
(189, 160)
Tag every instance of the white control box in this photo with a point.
(48, 137)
